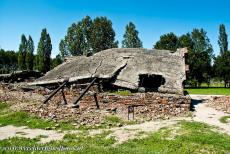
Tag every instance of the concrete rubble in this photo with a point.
(154, 76)
(130, 68)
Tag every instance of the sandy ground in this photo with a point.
(201, 113)
(209, 115)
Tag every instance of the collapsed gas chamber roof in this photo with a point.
(124, 65)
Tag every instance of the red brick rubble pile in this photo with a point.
(221, 103)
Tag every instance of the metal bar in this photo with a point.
(55, 91)
(95, 97)
(75, 101)
(63, 95)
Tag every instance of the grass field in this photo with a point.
(185, 137)
(209, 91)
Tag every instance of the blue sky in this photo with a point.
(151, 17)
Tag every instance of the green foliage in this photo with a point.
(3, 106)
(167, 42)
(185, 40)
(63, 48)
(103, 35)
(113, 119)
(223, 39)
(78, 39)
(200, 53)
(222, 67)
(8, 61)
(44, 52)
(131, 39)
(199, 57)
(225, 119)
(29, 53)
(87, 37)
(56, 61)
(22, 53)
(209, 91)
(222, 61)
(73, 41)
(122, 92)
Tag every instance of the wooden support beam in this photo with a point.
(76, 100)
(55, 91)
(63, 95)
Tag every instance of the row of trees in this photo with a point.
(8, 61)
(88, 36)
(25, 59)
(25, 53)
(42, 61)
(200, 55)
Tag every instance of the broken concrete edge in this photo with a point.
(121, 80)
(75, 79)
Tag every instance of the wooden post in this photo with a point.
(75, 101)
(55, 91)
(63, 95)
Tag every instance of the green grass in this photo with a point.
(19, 118)
(122, 92)
(225, 119)
(113, 119)
(209, 91)
(189, 137)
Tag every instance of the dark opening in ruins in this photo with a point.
(151, 82)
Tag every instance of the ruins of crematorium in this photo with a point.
(128, 82)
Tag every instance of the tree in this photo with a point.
(29, 53)
(102, 35)
(167, 42)
(44, 51)
(8, 61)
(223, 39)
(222, 62)
(185, 40)
(201, 56)
(56, 61)
(131, 39)
(73, 40)
(222, 67)
(22, 53)
(87, 37)
(77, 41)
(63, 48)
(86, 29)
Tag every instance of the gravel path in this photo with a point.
(202, 113)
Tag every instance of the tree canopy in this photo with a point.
(22, 53)
(29, 53)
(167, 42)
(44, 51)
(87, 37)
(131, 39)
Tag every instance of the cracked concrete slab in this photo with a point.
(129, 63)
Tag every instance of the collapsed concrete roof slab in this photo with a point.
(125, 65)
